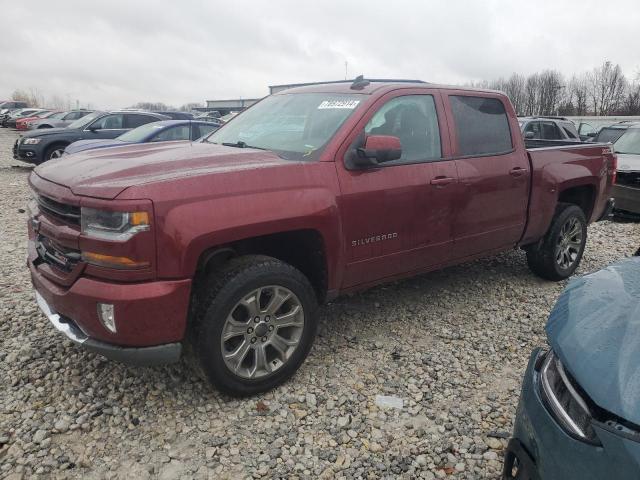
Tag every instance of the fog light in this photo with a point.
(107, 316)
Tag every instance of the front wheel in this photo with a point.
(256, 319)
(54, 151)
(558, 254)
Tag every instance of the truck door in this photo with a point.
(396, 216)
(493, 173)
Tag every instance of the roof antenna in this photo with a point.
(359, 83)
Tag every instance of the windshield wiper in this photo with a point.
(240, 144)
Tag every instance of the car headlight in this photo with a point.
(31, 141)
(118, 226)
(562, 396)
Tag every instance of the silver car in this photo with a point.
(548, 128)
(60, 120)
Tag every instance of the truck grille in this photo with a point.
(630, 179)
(49, 252)
(66, 213)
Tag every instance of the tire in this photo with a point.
(557, 255)
(54, 151)
(225, 304)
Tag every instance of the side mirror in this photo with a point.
(591, 134)
(376, 149)
(529, 135)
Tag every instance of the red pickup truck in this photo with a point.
(227, 245)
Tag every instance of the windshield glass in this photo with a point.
(81, 122)
(609, 135)
(629, 142)
(140, 133)
(294, 126)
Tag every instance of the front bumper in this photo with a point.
(144, 356)
(151, 317)
(627, 198)
(551, 454)
(27, 153)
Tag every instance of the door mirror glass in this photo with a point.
(529, 135)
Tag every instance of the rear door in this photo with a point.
(396, 218)
(493, 174)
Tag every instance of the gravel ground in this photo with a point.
(452, 345)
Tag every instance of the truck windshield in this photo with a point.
(629, 142)
(294, 126)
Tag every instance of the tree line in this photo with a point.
(603, 91)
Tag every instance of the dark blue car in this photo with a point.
(579, 411)
(163, 131)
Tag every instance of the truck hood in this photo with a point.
(105, 173)
(595, 330)
(628, 162)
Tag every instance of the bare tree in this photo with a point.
(607, 85)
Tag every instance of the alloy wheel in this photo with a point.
(262, 331)
(569, 243)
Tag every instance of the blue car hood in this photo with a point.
(82, 145)
(595, 330)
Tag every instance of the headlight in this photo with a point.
(31, 141)
(119, 226)
(565, 402)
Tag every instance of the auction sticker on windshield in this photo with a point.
(348, 104)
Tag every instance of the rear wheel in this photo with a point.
(255, 322)
(558, 254)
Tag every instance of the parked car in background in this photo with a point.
(22, 123)
(230, 243)
(579, 411)
(37, 146)
(626, 190)
(10, 120)
(163, 131)
(177, 115)
(62, 121)
(548, 128)
(11, 105)
(611, 133)
(229, 116)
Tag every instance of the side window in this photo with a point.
(181, 132)
(201, 130)
(586, 128)
(133, 120)
(482, 125)
(108, 122)
(413, 119)
(550, 131)
(533, 127)
(569, 133)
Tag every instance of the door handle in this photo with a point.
(442, 181)
(517, 171)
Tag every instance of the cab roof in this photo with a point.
(369, 86)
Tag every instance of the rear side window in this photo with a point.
(482, 125)
(550, 131)
(567, 130)
(180, 132)
(202, 130)
(133, 120)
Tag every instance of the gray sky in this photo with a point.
(115, 53)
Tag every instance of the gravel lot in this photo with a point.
(453, 345)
